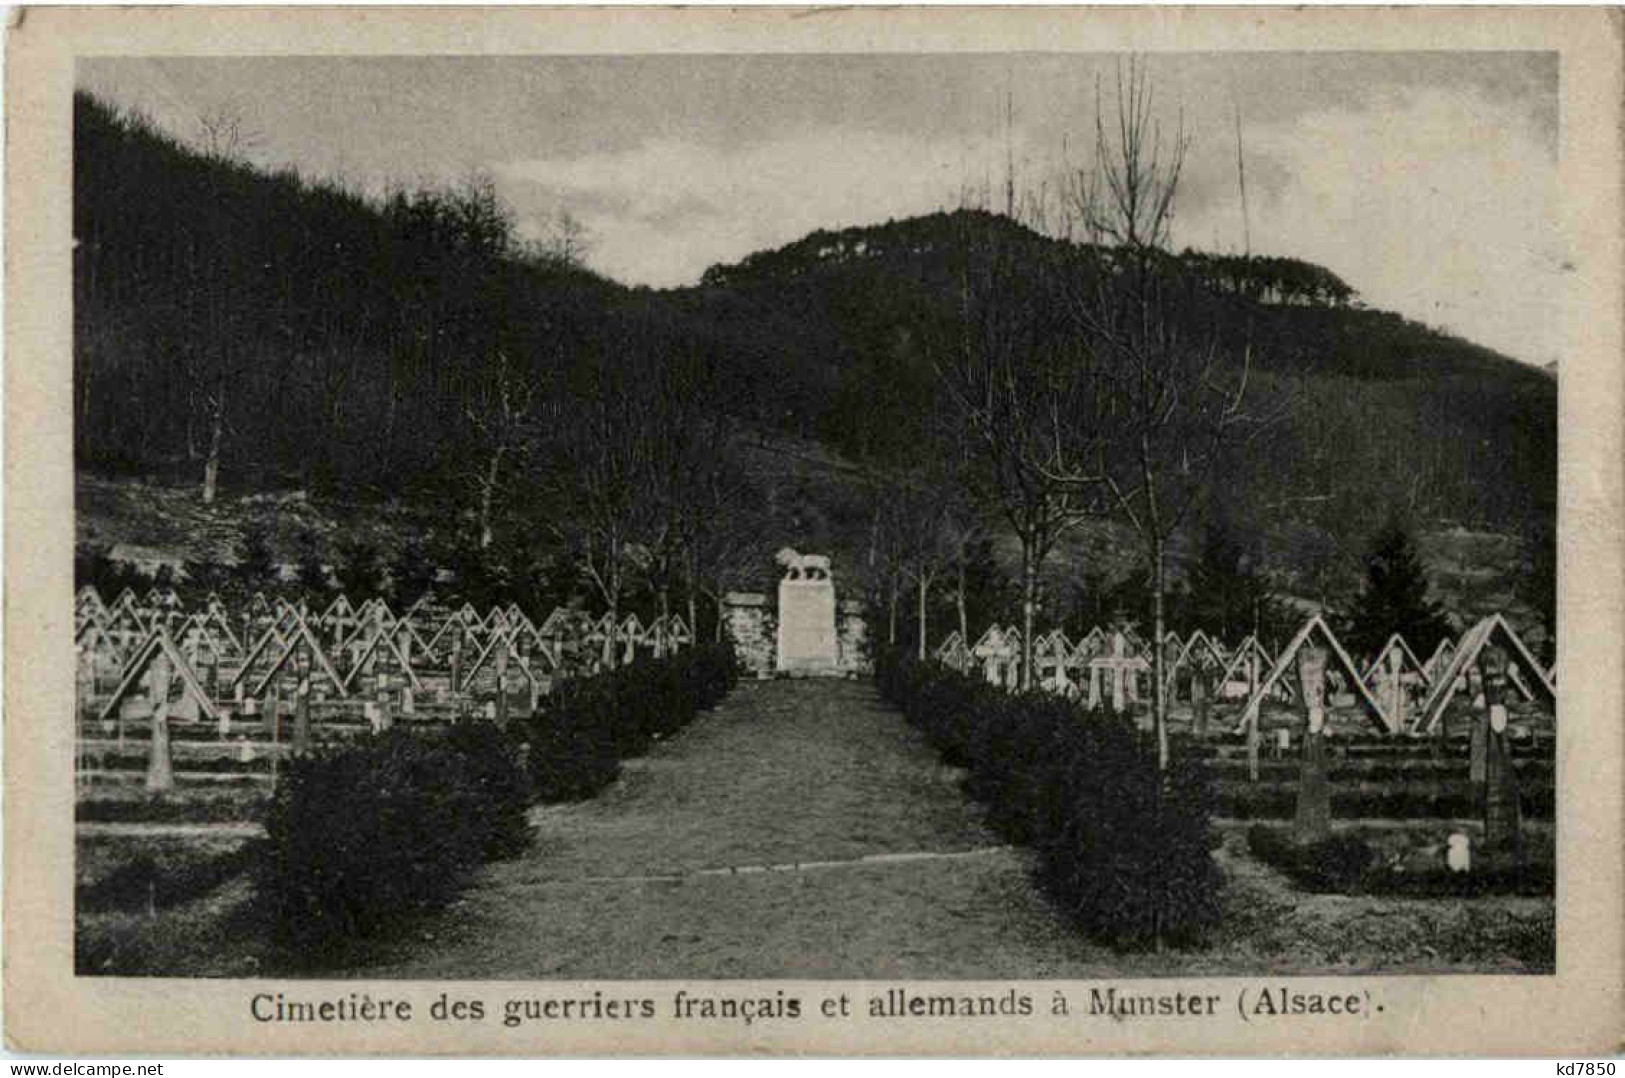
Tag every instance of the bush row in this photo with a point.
(586, 728)
(1123, 849)
(1456, 801)
(1348, 864)
(195, 805)
(1395, 750)
(366, 835)
(1530, 772)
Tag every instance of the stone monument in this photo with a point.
(807, 643)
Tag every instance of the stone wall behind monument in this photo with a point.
(854, 636)
(752, 621)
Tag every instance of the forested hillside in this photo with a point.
(302, 333)
(1384, 411)
(245, 332)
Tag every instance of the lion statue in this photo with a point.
(803, 566)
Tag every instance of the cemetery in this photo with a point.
(203, 706)
(1374, 775)
(1432, 781)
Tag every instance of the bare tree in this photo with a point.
(645, 473)
(565, 241)
(599, 472)
(225, 135)
(963, 525)
(499, 416)
(696, 481)
(1017, 385)
(1167, 402)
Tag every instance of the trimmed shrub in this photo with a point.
(1416, 801)
(587, 727)
(1124, 849)
(1334, 863)
(365, 836)
(1347, 864)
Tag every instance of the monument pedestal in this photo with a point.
(807, 643)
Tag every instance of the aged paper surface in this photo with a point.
(1576, 1010)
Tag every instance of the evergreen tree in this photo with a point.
(360, 568)
(1230, 596)
(413, 573)
(313, 571)
(256, 564)
(1395, 599)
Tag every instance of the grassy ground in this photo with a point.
(157, 904)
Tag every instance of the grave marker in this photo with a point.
(1313, 819)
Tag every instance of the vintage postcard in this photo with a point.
(912, 531)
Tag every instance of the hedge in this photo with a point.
(586, 727)
(1416, 801)
(1124, 850)
(366, 835)
(1348, 864)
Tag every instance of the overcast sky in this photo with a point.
(1428, 181)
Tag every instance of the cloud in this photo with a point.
(1439, 204)
(665, 210)
(1442, 205)
(1427, 180)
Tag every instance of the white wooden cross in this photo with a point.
(1124, 670)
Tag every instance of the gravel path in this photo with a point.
(799, 830)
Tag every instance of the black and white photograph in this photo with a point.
(983, 518)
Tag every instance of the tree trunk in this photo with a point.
(1029, 612)
(665, 622)
(693, 617)
(211, 466)
(1159, 688)
(924, 585)
(891, 617)
(959, 606)
(487, 494)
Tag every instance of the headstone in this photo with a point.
(1503, 815)
(301, 703)
(1478, 736)
(1458, 853)
(1314, 816)
(501, 716)
(1394, 689)
(1199, 701)
(160, 768)
(1171, 651)
(807, 643)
